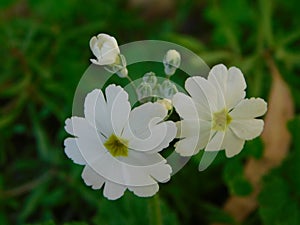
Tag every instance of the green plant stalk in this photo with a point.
(155, 211)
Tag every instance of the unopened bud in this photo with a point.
(168, 89)
(171, 62)
(151, 79)
(144, 91)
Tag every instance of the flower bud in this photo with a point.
(144, 91)
(168, 89)
(105, 48)
(151, 79)
(171, 62)
(119, 67)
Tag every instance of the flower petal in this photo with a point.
(77, 126)
(236, 86)
(185, 106)
(247, 129)
(91, 178)
(145, 191)
(73, 152)
(218, 77)
(140, 118)
(187, 146)
(249, 109)
(215, 142)
(158, 137)
(232, 144)
(113, 191)
(109, 40)
(204, 93)
(231, 84)
(93, 42)
(194, 139)
(96, 112)
(117, 171)
(145, 129)
(89, 140)
(118, 107)
(161, 172)
(169, 135)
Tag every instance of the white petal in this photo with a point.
(113, 191)
(169, 135)
(157, 139)
(118, 107)
(249, 109)
(141, 159)
(96, 113)
(108, 39)
(77, 126)
(231, 84)
(93, 42)
(145, 191)
(204, 93)
(114, 170)
(160, 172)
(236, 85)
(89, 142)
(94, 61)
(91, 178)
(140, 118)
(185, 106)
(187, 146)
(73, 152)
(232, 144)
(247, 129)
(90, 105)
(194, 138)
(218, 77)
(215, 143)
(145, 129)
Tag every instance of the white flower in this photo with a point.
(171, 62)
(119, 146)
(217, 116)
(105, 48)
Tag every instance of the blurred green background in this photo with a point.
(44, 52)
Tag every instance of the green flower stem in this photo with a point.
(131, 82)
(169, 114)
(155, 211)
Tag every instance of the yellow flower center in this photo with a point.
(117, 146)
(221, 120)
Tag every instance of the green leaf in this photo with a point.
(235, 179)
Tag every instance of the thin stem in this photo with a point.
(131, 82)
(169, 114)
(156, 217)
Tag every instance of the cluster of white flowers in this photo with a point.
(120, 146)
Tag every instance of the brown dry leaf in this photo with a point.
(276, 138)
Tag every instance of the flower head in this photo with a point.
(217, 116)
(171, 62)
(119, 146)
(105, 48)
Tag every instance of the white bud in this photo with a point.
(105, 48)
(168, 89)
(144, 91)
(151, 79)
(171, 62)
(119, 67)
